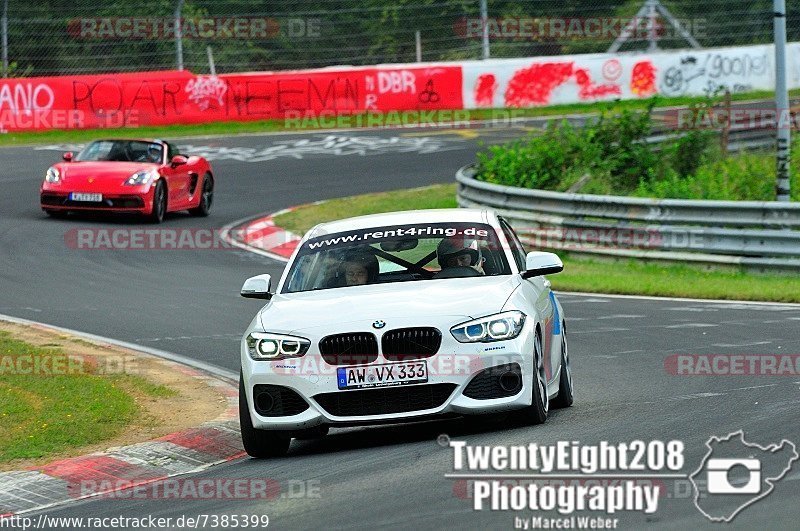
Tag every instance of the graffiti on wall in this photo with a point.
(598, 77)
(724, 70)
(180, 97)
(174, 97)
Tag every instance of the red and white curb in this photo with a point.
(261, 236)
(116, 469)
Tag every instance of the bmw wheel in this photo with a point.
(565, 390)
(536, 413)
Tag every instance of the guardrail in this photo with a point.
(748, 233)
(739, 139)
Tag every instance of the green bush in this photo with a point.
(745, 176)
(611, 150)
(537, 161)
(613, 153)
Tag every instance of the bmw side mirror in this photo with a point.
(538, 263)
(67, 156)
(178, 160)
(257, 287)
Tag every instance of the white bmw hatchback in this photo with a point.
(400, 317)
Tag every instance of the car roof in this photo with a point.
(406, 217)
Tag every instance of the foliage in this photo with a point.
(612, 153)
(611, 149)
(745, 176)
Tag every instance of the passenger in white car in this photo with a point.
(359, 268)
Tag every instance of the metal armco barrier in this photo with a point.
(748, 233)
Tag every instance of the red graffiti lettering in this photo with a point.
(485, 87)
(534, 85)
(643, 79)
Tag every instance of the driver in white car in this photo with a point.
(460, 252)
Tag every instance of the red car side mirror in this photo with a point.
(177, 160)
(67, 156)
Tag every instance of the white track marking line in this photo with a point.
(679, 299)
(732, 345)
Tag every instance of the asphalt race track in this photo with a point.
(186, 301)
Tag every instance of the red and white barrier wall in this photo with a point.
(180, 97)
(588, 78)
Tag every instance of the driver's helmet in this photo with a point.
(459, 252)
(154, 152)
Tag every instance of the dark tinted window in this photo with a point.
(516, 246)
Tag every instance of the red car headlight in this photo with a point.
(52, 176)
(142, 177)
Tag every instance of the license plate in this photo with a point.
(79, 196)
(384, 375)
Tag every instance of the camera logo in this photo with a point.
(720, 471)
(735, 474)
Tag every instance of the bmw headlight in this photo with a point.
(265, 346)
(141, 177)
(52, 175)
(498, 327)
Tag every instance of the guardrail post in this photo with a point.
(783, 119)
(485, 27)
(4, 30)
(178, 35)
(726, 127)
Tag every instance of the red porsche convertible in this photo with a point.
(147, 177)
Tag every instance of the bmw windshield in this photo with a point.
(379, 255)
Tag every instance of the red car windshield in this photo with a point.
(122, 151)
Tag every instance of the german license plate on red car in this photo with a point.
(384, 375)
(90, 198)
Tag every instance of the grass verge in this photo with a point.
(596, 276)
(304, 217)
(630, 277)
(48, 409)
(355, 120)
